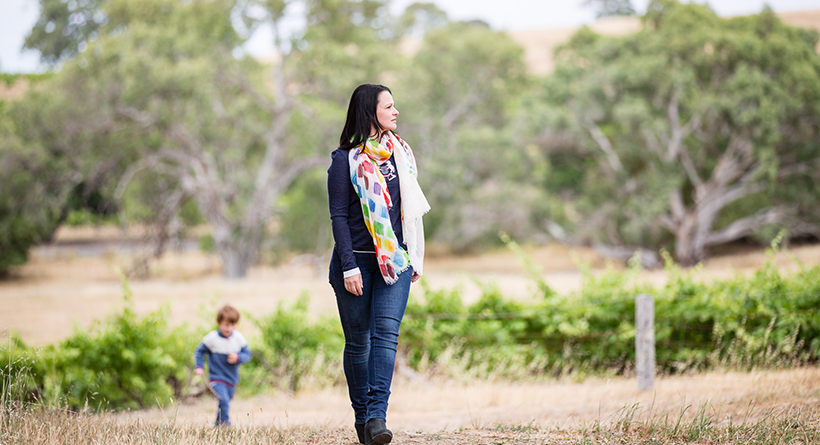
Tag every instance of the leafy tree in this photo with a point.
(28, 211)
(41, 178)
(459, 94)
(420, 18)
(204, 125)
(697, 127)
(344, 44)
(65, 28)
(610, 8)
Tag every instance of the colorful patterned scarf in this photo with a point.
(372, 190)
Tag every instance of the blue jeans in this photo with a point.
(225, 392)
(371, 327)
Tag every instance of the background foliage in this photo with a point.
(693, 132)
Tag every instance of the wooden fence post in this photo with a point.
(645, 341)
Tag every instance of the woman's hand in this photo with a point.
(353, 284)
(415, 277)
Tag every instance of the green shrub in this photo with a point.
(767, 320)
(18, 236)
(125, 362)
(295, 351)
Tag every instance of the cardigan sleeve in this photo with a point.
(338, 192)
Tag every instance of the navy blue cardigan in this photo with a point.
(349, 232)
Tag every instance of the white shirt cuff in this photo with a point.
(351, 272)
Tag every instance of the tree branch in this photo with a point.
(136, 115)
(807, 168)
(295, 169)
(457, 111)
(690, 169)
(734, 164)
(604, 144)
(679, 132)
(672, 114)
(242, 82)
(744, 226)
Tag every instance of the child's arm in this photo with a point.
(244, 355)
(199, 358)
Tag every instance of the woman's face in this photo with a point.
(386, 111)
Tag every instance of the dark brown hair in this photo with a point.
(361, 115)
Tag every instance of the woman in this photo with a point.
(376, 206)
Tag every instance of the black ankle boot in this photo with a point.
(360, 431)
(376, 432)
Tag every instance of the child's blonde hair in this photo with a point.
(227, 313)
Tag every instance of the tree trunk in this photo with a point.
(690, 247)
(238, 251)
(733, 178)
(694, 228)
(235, 262)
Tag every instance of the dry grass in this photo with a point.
(805, 19)
(780, 407)
(423, 406)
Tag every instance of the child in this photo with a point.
(228, 349)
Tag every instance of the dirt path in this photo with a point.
(430, 407)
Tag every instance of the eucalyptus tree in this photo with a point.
(465, 83)
(610, 8)
(46, 169)
(697, 130)
(203, 125)
(342, 45)
(65, 27)
(29, 205)
(165, 89)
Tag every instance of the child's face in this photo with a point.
(227, 328)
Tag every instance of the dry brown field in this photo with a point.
(775, 407)
(445, 412)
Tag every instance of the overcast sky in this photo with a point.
(18, 16)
